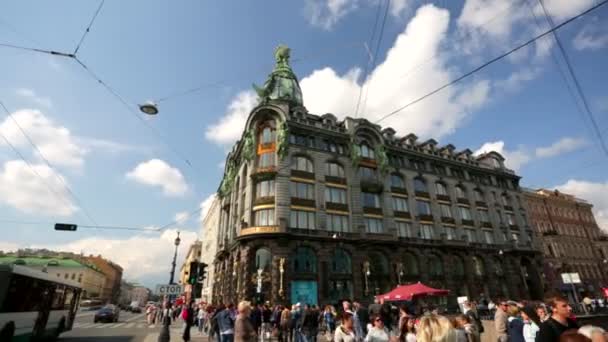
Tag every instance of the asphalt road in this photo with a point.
(129, 328)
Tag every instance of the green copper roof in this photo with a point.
(282, 84)
(40, 262)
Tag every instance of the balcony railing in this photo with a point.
(443, 197)
(335, 180)
(463, 201)
(336, 206)
(302, 174)
(425, 217)
(263, 200)
(303, 202)
(445, 219)
(486, 224)
(422, 194)
(468, 222)
(398, 190)
(481, 204)
(402, 214)
(372, 210)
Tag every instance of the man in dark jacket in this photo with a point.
(310, 323)
(560, 321)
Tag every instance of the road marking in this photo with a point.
(85, 314)
(86, 325)
(103, 325)
(135, 317)
(118, 325)
(129, 325)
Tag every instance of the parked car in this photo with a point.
(135, 309)
(107, 314)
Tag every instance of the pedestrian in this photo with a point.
(187, 316)
(531, 323)
(471, 312)
(558, 323)
(285, 325)
(515, 325)
(266, 328)
(468, 327)
(501, 320)
(214, 329)
(243, 329)
(225, 322)
(200, 316)
(310, 324)
(360, 318)
(345, 332)
(407, 330)
(256, 317)
(541, 312)
(386, 315)
(328, 319)
(434, 328)
(378, 331)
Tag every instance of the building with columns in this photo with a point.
(315, 210)
(572, 242)
(209, 246)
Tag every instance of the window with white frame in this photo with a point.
(371, 200)
(446, 210)
(440, 189)
(301, 163)
(334, 170)
(404, 229)
(264, 188)
(450, 232)
(488, 236)
(400, 204)
(426, 231)
(470, 234)
(264, 217)
(483, 215)
(337, 223)
(335, 195)
(302, 190)
(302, 219)
(465, 213)
(423, 207)
(511, 219)
(367, 151)
(373, 225)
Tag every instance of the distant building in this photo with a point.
(571, 239)
(113, 273)
(209, 246)
(140, 294)
(193, 255)
(126, 292)
(89, 276)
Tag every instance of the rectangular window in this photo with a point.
(264, 217)
(373, 225)
(302, 190)
(335, 195)
(264, 188)
(426, 231)
(483, 215)
(465, 213)
(450, 233)
(266, 160)
(371, 200)
(418, 165)
(302, 219)
(424, 207)
(367, 173)
(400, 204)
(488, 236)
(446, 210)
(404, 229)
(511, 219)
(457, 173)
(470, 234)
(440, 189)
(337, 223)
(334, 170)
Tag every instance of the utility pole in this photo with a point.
(177, 241)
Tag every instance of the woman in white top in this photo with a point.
(378, 333)
(407, 330)
(345, 332)
(531, 323)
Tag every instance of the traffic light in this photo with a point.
(202, 271)
(193, 275)
(66, 227)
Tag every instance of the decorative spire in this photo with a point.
(282, 84)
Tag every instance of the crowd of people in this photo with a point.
(381, 322)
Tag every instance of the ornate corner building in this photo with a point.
(571, 239)
(316, 210)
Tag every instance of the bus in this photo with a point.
(35, 305)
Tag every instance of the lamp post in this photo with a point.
(177, 241)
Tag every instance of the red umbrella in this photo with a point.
(408, 292)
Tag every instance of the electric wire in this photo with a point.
(369, 59)
(44, 51)
(491, 61)
(577, 84)
(48, 163)
(374, 60)
(86, 32)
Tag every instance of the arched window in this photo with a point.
(262, 259)
(461, 192)
(410, 265)
(300, 163)
(367, 151)
(397, 181)
(378, 263)
(341, 262)
(435, 265)
(304, 260)
(458, 266)
(478, 268)
(441, 189)
(266, 133)
(334, 170)
(479, 196)
(420, 185)
(505, 200)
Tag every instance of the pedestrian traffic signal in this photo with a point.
(193, 275)
(66, 227)
(202, 271)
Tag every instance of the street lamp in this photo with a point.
(149, 108)
(177, 241)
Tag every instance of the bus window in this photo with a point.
(58, 300)
(69, 295)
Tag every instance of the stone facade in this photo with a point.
(113, 272)
(316, 210)
(571, 239)
(209, 246)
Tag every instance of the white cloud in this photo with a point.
(181, 217)
(326, 13)
(30, 94)
(206, 205)
(230, 127)
(109, 146)
(398, 7)
(593, 192)
(561, 146)
(515, 81)
(515, 159)
(29, 192)
(141, 255)
(564, 9)
(593, 36)
(54, 141)
(156, 172)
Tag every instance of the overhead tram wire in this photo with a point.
(86, 32)
(562, 73)
(370, 58)
(491, 61)
(48, 163)
(378, 43)
(577, 84)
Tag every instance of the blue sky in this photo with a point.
(124, 174)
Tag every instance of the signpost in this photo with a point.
(169, 290)
(573, 278)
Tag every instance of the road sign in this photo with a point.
(173, 289)
(571, 278)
